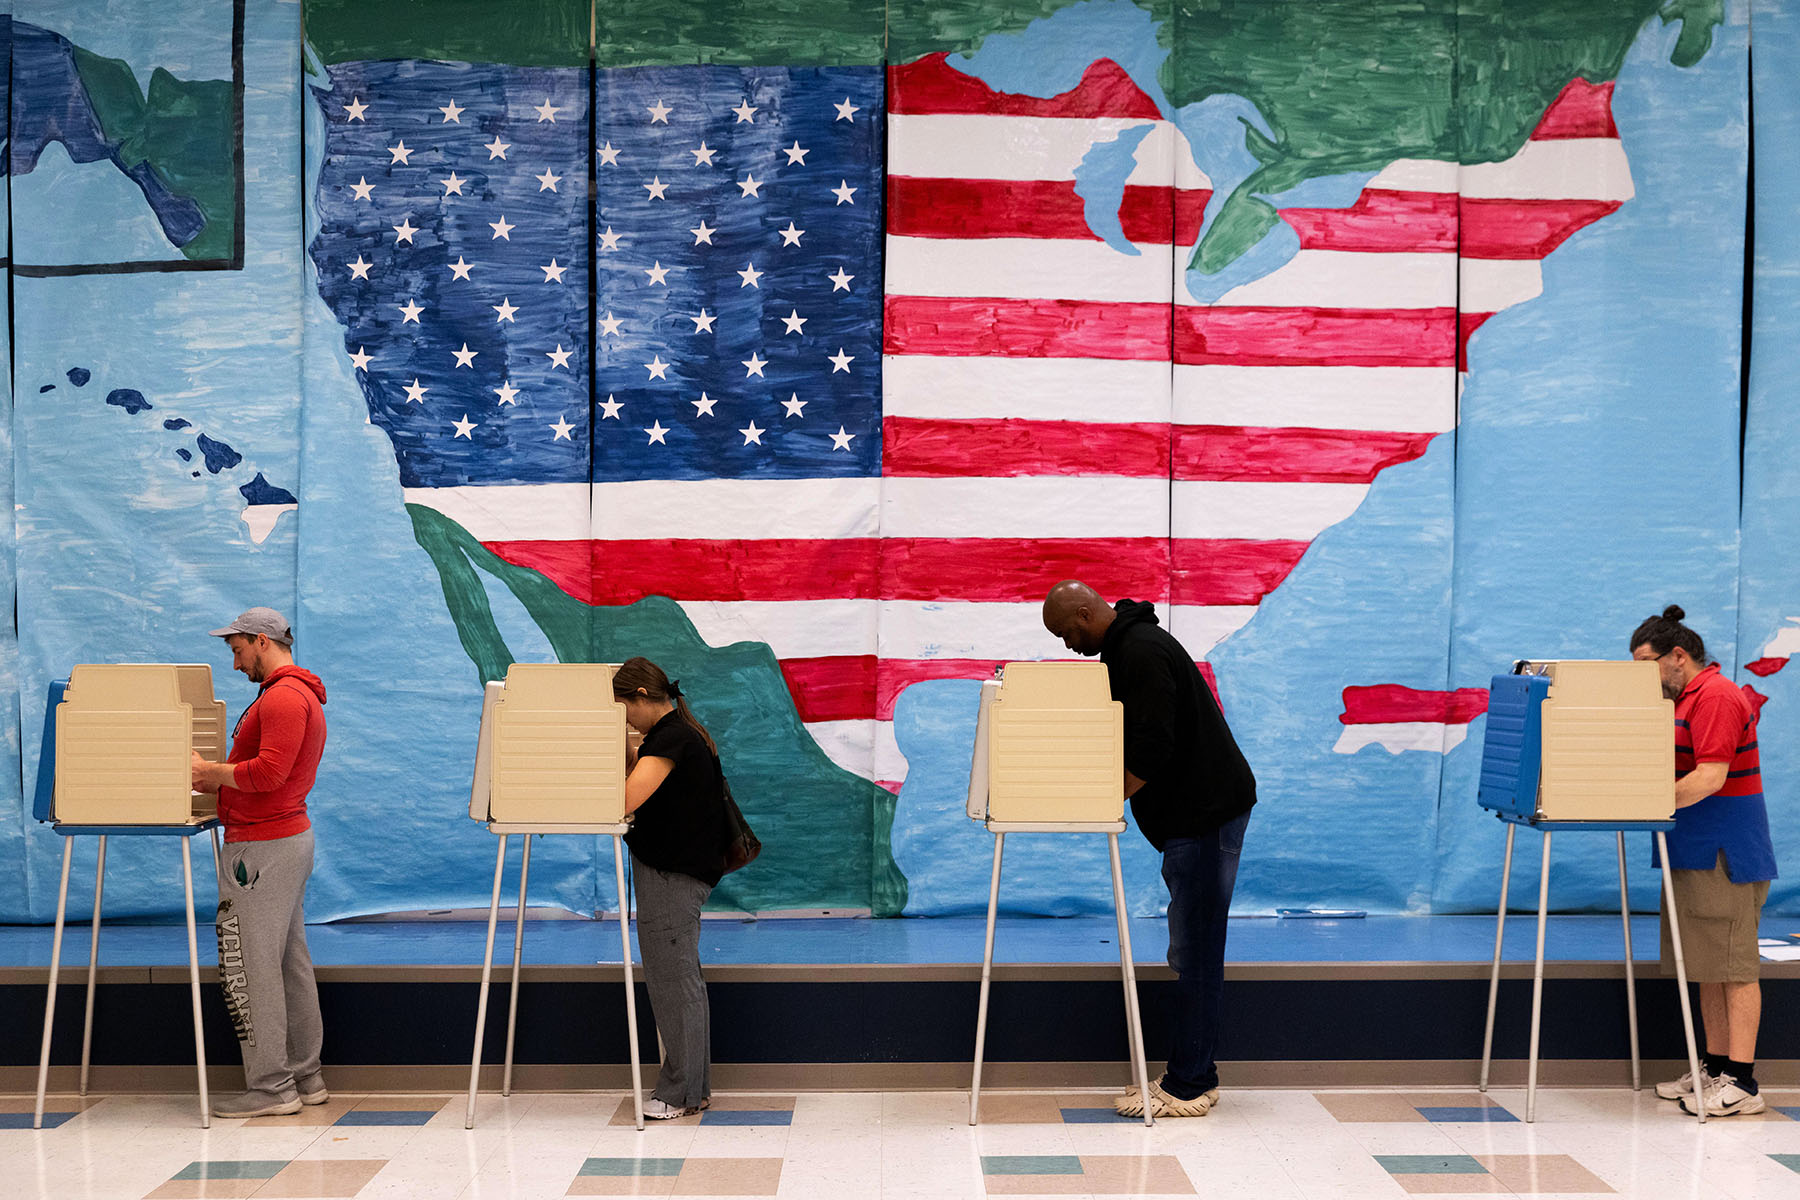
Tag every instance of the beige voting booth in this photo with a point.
(1608, 743)
(123, 737)
(118, 739)
(1050, 758)
(550, 758)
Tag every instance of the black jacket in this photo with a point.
(1176, 740)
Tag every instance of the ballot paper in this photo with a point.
(1778, 949)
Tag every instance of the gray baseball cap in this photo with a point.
(265, 621)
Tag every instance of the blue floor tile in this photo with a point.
(1474, 1112)
(23, 1120)
(1093, 1116)
(781, 1116)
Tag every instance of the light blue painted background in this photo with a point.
(1593, 479)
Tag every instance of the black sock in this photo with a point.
(1713, 1064)
(1743, 1072)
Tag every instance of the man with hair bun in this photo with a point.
(1721, 860)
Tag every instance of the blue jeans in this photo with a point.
(1201, 873)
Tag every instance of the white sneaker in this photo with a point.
(662, 1110)
(1724, 1098)
(1675, 1089)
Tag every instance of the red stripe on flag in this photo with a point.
(1229, 570)
(1581, 110)
(861, 687)
(931, 85)
(626, 571)
(1765, 667)
(1390, 703)
(1380, 221)
(835, 688)
(1034, 208)
(987, 570)
(1523, 229)
(1238, 452)
(960, 327)
(1259, 336)
(1003, 570)
(1001, 447)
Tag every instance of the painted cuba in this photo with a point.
(175, 140)
(677, 415)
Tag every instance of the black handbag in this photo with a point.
(741, 845)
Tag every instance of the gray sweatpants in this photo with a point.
(668, 928)
(264, 967)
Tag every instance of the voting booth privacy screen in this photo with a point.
(509, 335)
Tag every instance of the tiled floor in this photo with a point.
(1260, 1144)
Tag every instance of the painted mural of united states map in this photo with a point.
(893, 325)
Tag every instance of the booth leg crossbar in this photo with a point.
(1537, 974)
(1134, 1026)
(87, 1022)
(512, 1014)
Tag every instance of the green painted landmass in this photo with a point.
(626, 33)
(525, 33)
(1352, 85)
(764, 33)
(920, 27)
(825, 831)
(183, 129)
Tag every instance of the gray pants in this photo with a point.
(264, 967)
(668, 921)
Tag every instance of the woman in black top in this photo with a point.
(675, 792)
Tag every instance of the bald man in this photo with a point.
(1191, 792)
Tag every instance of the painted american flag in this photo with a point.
(876, 456)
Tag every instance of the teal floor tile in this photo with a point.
(1030, 1164)
(1430, 1164)
(615, 1167)
(240, 1169)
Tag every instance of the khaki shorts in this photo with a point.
(1719, 920)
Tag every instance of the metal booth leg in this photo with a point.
(187, 887)
(987, 976)
(631, 1022)
(1487, 1038)
(1687, 1011)
(1134, 1022)
(512, 1009)
(1537, 983)
(1637, 1073)
(487, 971)
(87, 1021)
(62, 905)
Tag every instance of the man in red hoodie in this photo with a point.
(264, 967)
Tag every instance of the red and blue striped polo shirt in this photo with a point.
(1715, 722)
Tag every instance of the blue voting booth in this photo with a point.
(1575, 746)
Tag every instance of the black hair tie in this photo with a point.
(674, 689)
